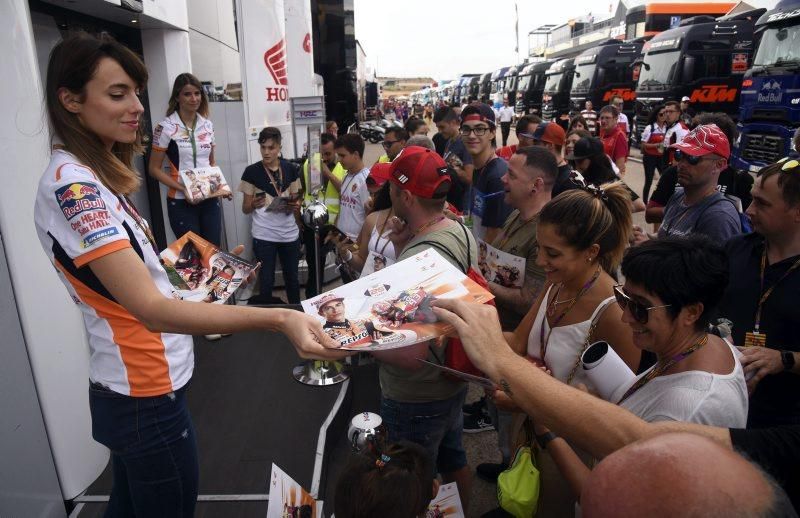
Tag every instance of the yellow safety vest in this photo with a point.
(384, 159)
(330, 196)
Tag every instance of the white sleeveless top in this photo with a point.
(565, 346)
(379, 246)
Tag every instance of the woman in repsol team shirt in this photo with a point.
(186, 138)
(141, 354)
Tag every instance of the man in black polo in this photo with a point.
(762, 297)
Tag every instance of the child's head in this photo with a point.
(397, 483)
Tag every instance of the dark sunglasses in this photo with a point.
(639, 311)
(692, 160)
(389, 143)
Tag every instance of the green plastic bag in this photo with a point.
(518, 486)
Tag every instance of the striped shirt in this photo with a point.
(591, 120)
(79, 220)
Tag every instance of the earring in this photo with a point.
(589, 259)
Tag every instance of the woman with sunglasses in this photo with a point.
(653, 148)
(581, 234)
(138, 329)
(671, 292)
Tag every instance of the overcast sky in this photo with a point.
(445, 38)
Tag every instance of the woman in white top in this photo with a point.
(138, 329)
(375, 249)
(582, 234)
(672, 288)
(186, 138)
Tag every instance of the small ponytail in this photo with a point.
(592, 215)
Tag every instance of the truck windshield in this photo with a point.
(779, 45)
(583, 78)
(524, 81)
(658, 70)
(553, 81)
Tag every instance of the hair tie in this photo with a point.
(578, 179)
(381, 462)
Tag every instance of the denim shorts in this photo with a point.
(435, 425)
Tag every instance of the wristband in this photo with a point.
(348, 257)
(544, 439)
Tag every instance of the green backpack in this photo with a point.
(518, 486)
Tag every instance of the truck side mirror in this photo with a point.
(688, 69)
(601, 76)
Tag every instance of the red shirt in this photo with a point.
(506, 152)
(615, 143)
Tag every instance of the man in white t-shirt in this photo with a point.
(505, 115)
(353, 195)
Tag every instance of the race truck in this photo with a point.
(769, 110)
(703, 58)
(530, 85)
(557, 87)
(604, 72)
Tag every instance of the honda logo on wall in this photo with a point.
(275, 60)
(307, 43)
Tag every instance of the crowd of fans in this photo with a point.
(702, 310)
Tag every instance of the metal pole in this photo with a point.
(317, 253)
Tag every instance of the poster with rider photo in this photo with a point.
(201, 272)
(500, 267)
(446, 504)
(203, 183)
(391, 308)
(288, 499)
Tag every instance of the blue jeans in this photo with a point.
(153, 452)
(289, 254)
(435, 425)
(204, 219)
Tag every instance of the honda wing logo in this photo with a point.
(275, 59)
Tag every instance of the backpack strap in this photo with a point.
(702, 212)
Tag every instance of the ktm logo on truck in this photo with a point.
(713, 94)
(626, 93)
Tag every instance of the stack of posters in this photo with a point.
(287, 499)
(501, 267)
(391, 308)
(203, 183)
(201, 272)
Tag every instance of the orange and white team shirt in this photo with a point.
(79, 220)
(185, 149)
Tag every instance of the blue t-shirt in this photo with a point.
(715, 216)
(488, 207)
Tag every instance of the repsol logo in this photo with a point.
(278, 93)
(713, 94)
(626, 93)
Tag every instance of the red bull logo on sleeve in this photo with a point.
(79, 197)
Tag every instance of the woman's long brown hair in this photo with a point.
(182, 80)
(72, 65)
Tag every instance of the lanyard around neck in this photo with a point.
(765, 294)
(276, 185)
(190, 131)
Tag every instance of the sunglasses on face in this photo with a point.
(479, 131)
(638, 311)
(691, 160)
(389, 143)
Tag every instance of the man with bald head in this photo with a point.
(680, 474)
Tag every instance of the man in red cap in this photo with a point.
(697, 206)
(418, 188)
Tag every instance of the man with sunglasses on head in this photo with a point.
(761, 297)
(552, 137)
(697, 206)
(526, 126)
(449, 146)
(487, 208)
(394, 140)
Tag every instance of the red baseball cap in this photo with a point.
(705, 140)
(379, 173)
(419, 171)
(550, 132)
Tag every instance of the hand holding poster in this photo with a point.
(501, 267)
(201, 272)
(391, 308)
(446, 504)
(202, 183)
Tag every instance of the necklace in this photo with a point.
(662, 367)
(427, 225)
(542, 340)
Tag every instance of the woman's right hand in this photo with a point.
(309, 339)
(259, 202)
